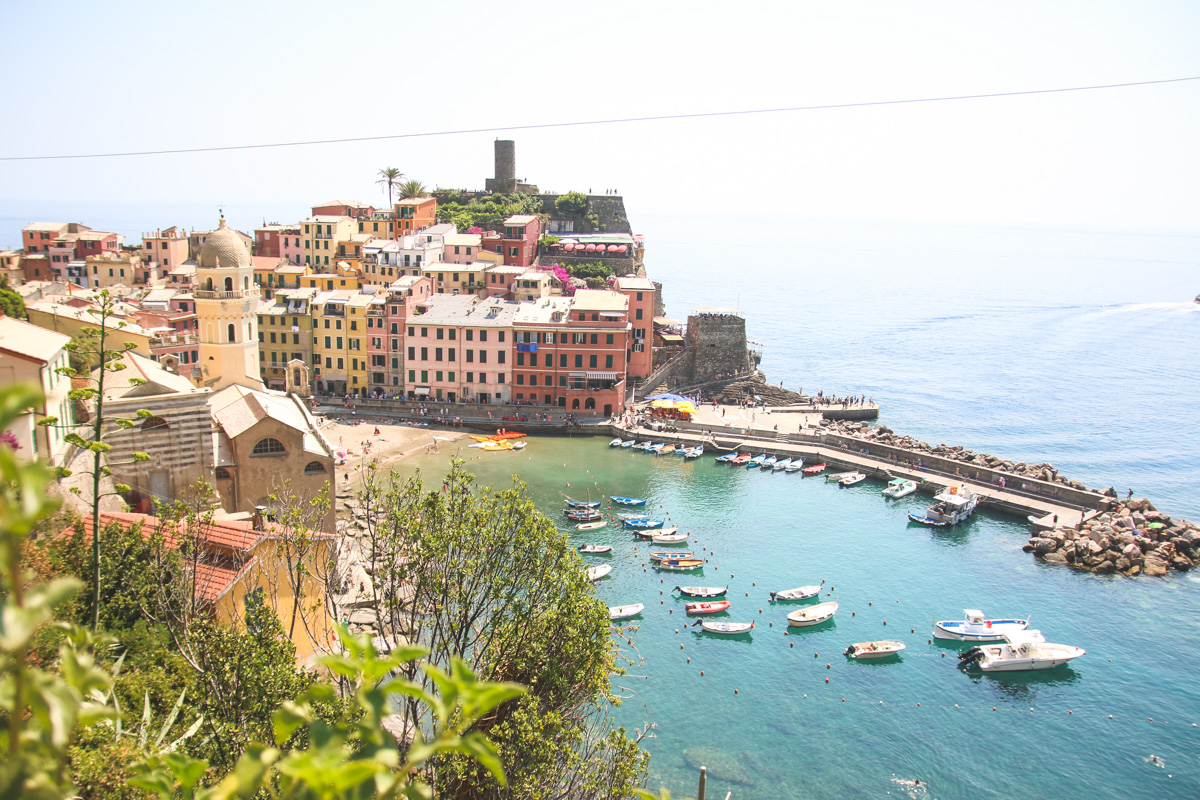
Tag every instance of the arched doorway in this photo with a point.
(590, 404)
(575, 403)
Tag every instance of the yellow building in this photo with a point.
(342, 277)
(356, 342)
(284, 334)
(226, 305)
(330, 333)
(381, 224)
(71, 316)
(321, 235)
(456, 278)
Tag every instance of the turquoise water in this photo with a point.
(790, 730)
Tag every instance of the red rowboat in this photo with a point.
(715, 607)
(814, 469)
(742, 459)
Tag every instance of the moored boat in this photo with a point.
(780, 465)
(617, 442)
(625, 612)
(597, 572)
(813, 615)
(879, 649)
(1021, 651)
(650, 533)
(670, 538)
(836, 477)
(899, 487)
(668, 555)
(702, 591)
(584, 515)
(801, 593)
(680, 564)
(724, 628)
(709, 607)
(628, 443)
(795, 466)
(726, 458)
(977, 628)
(741, 460)
(594, 525)
(769, 462)
(582, 503)
(634, 515)
(951, 506)
(596, 549)
(756, 461)
(695, 452)
(628, 501)
(815, 469)
(852, 479)
(644, 523)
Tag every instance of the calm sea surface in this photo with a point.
(1077, 348)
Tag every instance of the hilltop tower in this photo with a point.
(506, 168)
(226, 301)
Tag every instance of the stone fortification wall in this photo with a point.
(610, 209)
(716, 345)
(622, 265)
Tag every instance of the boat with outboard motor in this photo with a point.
(680, 564)
(669, 538)
(650, 533)
(883, 648)
(899, 487)
(977, 628)
(852, 479)
(668, 555)
(617, 442)
(1021, 651)
(952, 506)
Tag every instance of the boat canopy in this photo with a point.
(1025, 637)
(897, 481)
(954, 496)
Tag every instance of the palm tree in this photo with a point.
(412, 188)
(389, 176)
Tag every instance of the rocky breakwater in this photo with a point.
(755, 384)
(1018, 469)
(1132, 539)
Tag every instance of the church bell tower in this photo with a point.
(226, 310)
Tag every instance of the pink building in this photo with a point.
(460, 349)
(291, 246)
(344, 208)
(391, 307)
(461, 248)
(640, 292)
(518, 242)
(166, 248)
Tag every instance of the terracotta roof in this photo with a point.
(30, 341)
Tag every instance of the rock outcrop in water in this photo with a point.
(1133, 539)
(756, 384)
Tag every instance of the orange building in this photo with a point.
(415, 213)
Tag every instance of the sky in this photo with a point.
(121, 76)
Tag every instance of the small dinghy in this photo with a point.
(852, 479)
(814, 615)
(644, 523)
(617, 442)
(596, 549)
(702, 591)
(597, 572)
(625, 612)
(594, 525)
(581, 504)
(670, 538)
(770, 462)
(628, 443)
(628, 501)
(723, 628)
(977, 628)
(681, 449)
(695, 452)
(519, 445)
(738, 461)
(669, 555)
(880, 649)
(781, 465)
(836, 477)
(712, 607)
(1023, 651)
(667, 450)
(802, 593)
(815, 469)
(756, 461)
(795, 466)
(584, 515)
(634, 515)
(652, 532)
(899, 487)
(681, 564)
(726, 458)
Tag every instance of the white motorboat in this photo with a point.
(599, 571)
(625, 612)
(802, 593)
(836, 477)
(617, 442)
(596, 549)
(796, 465)
(1021, 651)
(724, 628)
(769, 462)
(781, 465)
(953, 505)
(977, 628)
(869, 650)
(591, 526)
(852, 478)
(899, 487)
(650, 533)
(695, 452)
(670, 538)
(813, 615)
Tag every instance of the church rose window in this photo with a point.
(267, 447)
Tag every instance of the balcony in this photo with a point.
(236, 294)
(174, 340)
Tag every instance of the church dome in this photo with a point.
(224, 248)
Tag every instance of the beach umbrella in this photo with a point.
(612, 248)
(591, 248)
(621, 248)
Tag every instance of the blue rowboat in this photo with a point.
(757, 461)
(628, 501)
(726, 458)
(644, 523)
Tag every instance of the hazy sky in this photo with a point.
(116, 76)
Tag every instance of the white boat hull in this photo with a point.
(1001, 658)
(726, 628)
(598, 572)
(625, 612)
(812, 616)
(590, 526)
(967, 632)
(801, 593)
(866, 651)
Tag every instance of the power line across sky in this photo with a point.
(583, 123)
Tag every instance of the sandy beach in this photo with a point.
(362, 446)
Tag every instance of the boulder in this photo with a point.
(1131, 551)
(1136, 569)
(1105, 568)
(1093, 561)
(1155, 566)
(1181, 563)
(1055, 558)
(1122, 563)
(1043, 545)
(1139, 520)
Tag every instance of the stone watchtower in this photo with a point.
(226, 305)
(716, 343)
(506, 168)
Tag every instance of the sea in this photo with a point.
(1075, 347)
